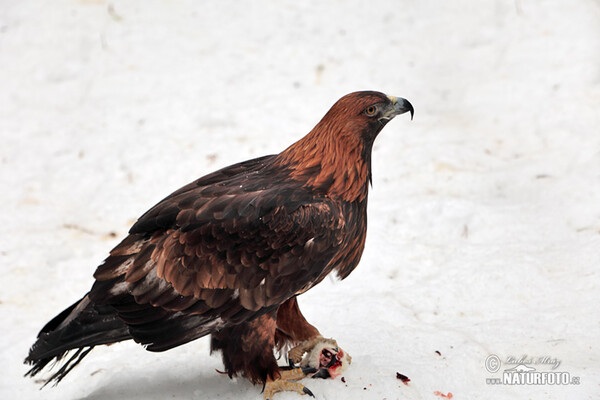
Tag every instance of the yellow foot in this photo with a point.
(283, 384)
(295, 374)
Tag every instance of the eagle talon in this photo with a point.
(308, 370)
(307, 391)
(284, 384)
(322, 373)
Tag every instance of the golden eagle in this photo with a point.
(228, 254)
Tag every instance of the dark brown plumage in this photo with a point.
(227, 254)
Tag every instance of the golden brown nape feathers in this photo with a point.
(336, 155)
(228, 254)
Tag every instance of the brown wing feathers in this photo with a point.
(229, 256)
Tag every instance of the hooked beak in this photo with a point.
(397, 107)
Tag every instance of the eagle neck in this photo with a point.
(330, 161)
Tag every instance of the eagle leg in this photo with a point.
(292, 327)
(286, 383)
(247, 349)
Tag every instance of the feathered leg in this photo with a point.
(292, 327)
(247, 349)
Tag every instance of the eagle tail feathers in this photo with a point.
(78, 328)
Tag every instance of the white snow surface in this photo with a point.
(484, 217)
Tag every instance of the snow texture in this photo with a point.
(484, 218)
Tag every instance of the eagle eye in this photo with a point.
(371, 111)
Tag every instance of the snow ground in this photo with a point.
(484, 219)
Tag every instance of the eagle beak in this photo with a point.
(398, 106)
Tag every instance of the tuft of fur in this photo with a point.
(326, 356)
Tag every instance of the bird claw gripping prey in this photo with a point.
(318, 357)
(286, 383)
(295, 354)
(321, 354)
